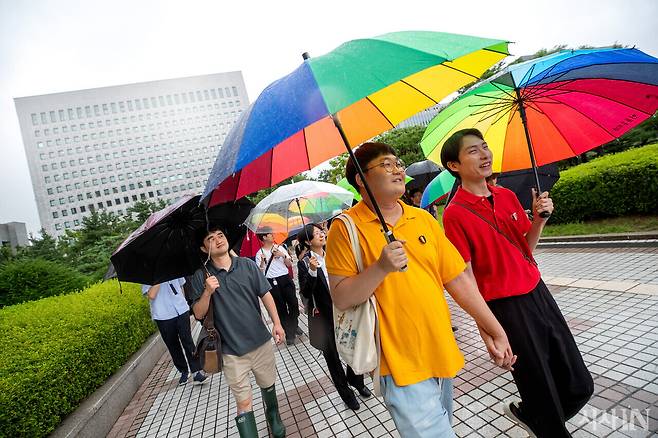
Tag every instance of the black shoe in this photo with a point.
(183, 378)
(364, 391)
(352, 402)
(513, 411)
(299, 332)
(290, 341)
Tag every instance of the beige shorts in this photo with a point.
(236, 370)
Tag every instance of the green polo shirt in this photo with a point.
(237, 309)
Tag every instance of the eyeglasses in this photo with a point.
(389, 166)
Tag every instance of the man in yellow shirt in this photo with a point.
(419, 353)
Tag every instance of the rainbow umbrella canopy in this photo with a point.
(551, 108)
(341, 99)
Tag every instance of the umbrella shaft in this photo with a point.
(531, 152)
(389, 235)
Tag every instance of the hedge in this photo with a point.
(56, 351)
(31, 279)
(613, 185)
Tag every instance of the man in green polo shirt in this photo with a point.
(234, 285)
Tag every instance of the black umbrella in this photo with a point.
(522, 181)
(165, 247)
(422, 172)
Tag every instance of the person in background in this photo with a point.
(274, 261)
(490, 229)
(314, 287)
(415, 195)
(171, 313)
(419, 354)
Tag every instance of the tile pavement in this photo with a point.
(607, 297)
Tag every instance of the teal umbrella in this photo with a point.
(437, 189)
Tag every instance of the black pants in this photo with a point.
(286, 302)
(552, 378)
(341, 378)
(177, 336)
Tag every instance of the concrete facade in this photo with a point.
(107, 148)
(13, 234)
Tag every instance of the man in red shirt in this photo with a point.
(489, 227)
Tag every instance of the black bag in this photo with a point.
(209, 345)
(318, 329)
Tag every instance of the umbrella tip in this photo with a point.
(306, 56)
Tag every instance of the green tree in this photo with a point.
(406, 142)
(141, 210)
(336, 170)
(45, 247)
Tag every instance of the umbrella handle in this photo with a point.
(391, 238)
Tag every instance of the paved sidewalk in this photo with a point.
(609, 298)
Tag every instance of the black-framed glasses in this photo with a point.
(389, 166)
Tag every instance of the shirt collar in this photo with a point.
(233, 260)
(464, 195)
(364, 213)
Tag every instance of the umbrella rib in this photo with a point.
(424, 94)
(497, 98)
(460, 71)
(511, 96)
(604, 97)
(541, 89)
(502, 110)
(586, 116)
(492, 109)
(380, 112)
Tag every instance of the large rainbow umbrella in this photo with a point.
(551, 108)
(336, 101)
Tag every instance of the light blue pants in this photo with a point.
(421, 410)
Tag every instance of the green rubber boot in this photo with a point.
(246, 423)
(272, 412)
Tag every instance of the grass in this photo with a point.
(604, 226)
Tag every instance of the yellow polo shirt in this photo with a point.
(416, 334)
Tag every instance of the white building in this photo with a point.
(107, 148)
(13, 234)
(422, 118)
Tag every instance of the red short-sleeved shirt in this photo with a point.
(500, 268)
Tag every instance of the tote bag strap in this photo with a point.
(356, 250)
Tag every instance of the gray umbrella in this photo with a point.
(422, 172)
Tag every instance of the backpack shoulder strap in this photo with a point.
(354, 238)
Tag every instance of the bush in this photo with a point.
(27, 280)
(56, 351)
(614, 185)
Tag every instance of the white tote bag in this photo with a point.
(357, 329)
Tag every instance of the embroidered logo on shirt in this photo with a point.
(514, 216)
(422, 239)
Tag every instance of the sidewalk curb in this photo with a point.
(642, 235)
(648, 243)
(99, 412)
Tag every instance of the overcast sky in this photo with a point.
(63, 45)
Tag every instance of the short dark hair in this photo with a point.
(305, 233)
(412, 192)
(365, 154)
(202, 233)
(452, 146)
(263, 232)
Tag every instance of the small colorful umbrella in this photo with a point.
(437, 189)
(288, 208)
(551, 108)
(341, 99)
(347, 186)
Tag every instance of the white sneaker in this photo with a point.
(513, 412)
